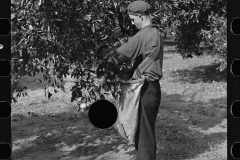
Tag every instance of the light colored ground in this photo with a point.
(191, 123)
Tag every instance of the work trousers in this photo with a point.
(145, 141)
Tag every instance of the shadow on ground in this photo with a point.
(185, 129)
(169, 42)
(205, 74)
(169, 46)
(61, 135)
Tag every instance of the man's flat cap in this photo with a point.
(139, 7)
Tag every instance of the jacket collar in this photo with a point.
(148, 26)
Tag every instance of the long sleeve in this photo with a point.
(127, 52)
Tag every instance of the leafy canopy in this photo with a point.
(55, 36)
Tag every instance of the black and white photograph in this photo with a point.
(118, 79)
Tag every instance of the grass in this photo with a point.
(217, 151)
(190, 123)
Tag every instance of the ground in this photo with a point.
(191, 123)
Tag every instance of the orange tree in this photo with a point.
(55, 36)
(200, 21)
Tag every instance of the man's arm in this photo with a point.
(128, 51)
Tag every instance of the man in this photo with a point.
(146, 43)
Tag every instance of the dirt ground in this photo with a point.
(191, 120)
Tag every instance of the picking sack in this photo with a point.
(127, 107)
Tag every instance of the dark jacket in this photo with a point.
(143, 44)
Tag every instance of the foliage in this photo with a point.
(216, 39)
(200, 21)
(60, 37)
(54, 37)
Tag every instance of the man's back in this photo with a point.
(151, 38)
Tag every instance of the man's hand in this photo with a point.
(104, 52)
(108, 53)
(120, 42)
(117, 44)
(123, 40)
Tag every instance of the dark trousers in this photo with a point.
(145, 141)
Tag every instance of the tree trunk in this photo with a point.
(16, 78)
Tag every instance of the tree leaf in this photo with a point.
(36, 6)
(62, 87)
(21, 3)
(93, 29)
(14, 100)
(44, 77)
(50, 90)
(15, 68)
